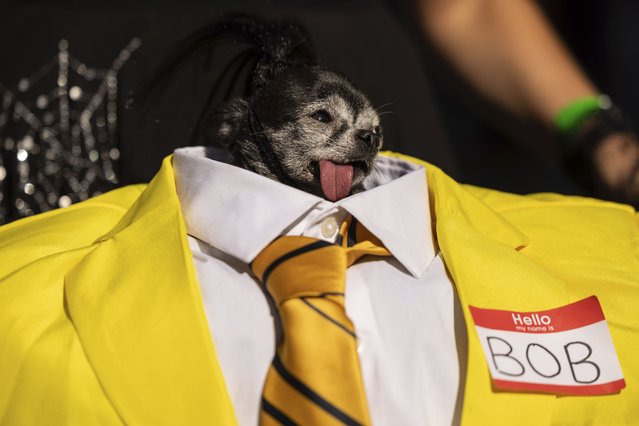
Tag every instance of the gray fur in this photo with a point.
(289, 109)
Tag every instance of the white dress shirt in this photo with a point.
(401, 306)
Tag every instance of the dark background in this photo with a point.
(433, 115)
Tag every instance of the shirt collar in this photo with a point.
(241, 212)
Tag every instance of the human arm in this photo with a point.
(509, 54)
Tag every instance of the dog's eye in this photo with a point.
(321, 115)
(379, 131)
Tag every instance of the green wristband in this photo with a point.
(570, 117)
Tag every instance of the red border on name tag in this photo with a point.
(579, 314)
(587, 390)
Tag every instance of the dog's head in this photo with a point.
(296, 122)
(306, 127)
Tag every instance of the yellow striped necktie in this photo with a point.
(315, 378)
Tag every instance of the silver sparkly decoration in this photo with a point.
(58, 141)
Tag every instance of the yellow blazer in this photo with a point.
(101, 318)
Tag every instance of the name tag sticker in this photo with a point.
(563, 351)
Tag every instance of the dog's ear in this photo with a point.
(227, 124)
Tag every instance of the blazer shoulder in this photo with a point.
(60, 230)
(504, 201)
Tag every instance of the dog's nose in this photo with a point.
(369, 138)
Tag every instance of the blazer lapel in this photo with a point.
(485, 256)
(136, 306)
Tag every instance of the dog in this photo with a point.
(296, 122)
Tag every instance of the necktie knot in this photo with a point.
(300, 266)
(295, 266)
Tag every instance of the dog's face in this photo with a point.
(323, 131)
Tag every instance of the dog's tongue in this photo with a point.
(336, 179)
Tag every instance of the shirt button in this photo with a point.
(328, 227)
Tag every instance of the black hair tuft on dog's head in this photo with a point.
(269, 48)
